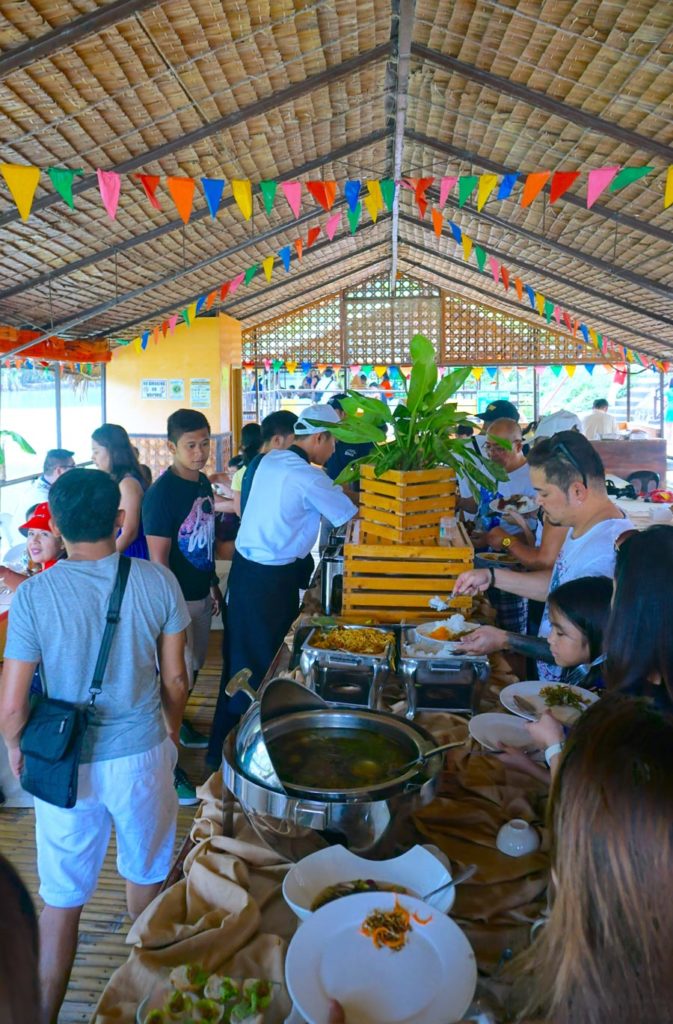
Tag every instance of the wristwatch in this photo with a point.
(506, 543)
(552, 751)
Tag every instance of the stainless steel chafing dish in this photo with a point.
(436, 680)
(374, 669)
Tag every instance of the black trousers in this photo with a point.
(263, 602)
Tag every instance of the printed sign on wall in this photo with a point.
(176, 390)
(153, 388)
(199, 392)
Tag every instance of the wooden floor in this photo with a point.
(104, 926)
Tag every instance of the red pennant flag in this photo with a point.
(518, 284)
(420, 187)
(182, 192)
(164, 328)
(211, 299)
(534, 184)
(505, 277)
(311, 237)
(560, 183)
(299, 246)
(566, 319)
(149, 183)
(224, 291)
(437, 221)
(324, 192)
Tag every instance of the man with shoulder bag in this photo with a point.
(99, 746)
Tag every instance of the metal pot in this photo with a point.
(299, 821)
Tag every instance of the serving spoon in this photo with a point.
(422, 758)
(461, 877)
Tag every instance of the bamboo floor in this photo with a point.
(104, 922)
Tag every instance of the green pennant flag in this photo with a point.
(466, 186)
(548, 310)
(388, 192)
(628, 175)
(480, 255)
(354, 217)
(61, 179)
(250, 273)
(556, 370)
(185, 315)
(268, 189)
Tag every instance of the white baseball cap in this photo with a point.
(324, 415)
(557, 421)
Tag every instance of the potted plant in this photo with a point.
(18, 440)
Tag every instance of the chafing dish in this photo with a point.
(365, 672)
(434, 680)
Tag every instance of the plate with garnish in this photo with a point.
(522, 504)
(532, 697)
(384, 957)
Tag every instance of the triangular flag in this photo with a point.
(149, 184)
(268, 190)
(480, 257)
(267, 266)
(548, 310)
(584, 331)
(210, 301)
(437, 222)
(487, 183)
(456, 232)
(354, 218)
(235, 281)
(566, 319)
(539, 302)
(299, 246)
(324, 192)
(492, 371)
(627, 175)
(467, 246)
(145, 339)
(22, 182)
(312, 236)
(62, 180)
(242, 190)
(200, 303)
(597, 181)
(182, 193)
(290, 365)
(590, 367)
(477, 372)
(594, 337)
(495, 268)
(507, 185)
(505, 277)
(172, 322)
(155, 335)
(110, 184)
(557, 315)
(374, 190)
(250, 273)
(284, 254)
(420, 186)
(184, 313)
(372, 207)
(560, 183)
(192, 312)
(212, 190)
(466, 186)
(445, 186)
(556, 370)
(138, 345)
(518, 284)
(224, 290)
(531, 295)
(668, 190)
(388, 192)
(352, 194)
(535, 182)
(164, 328)
(292, 192)
(332, 224)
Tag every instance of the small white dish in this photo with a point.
(493, 729)
(529, 689)
(525, 510)
(417, 870)
(517, 838)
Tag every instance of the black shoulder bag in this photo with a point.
(51, 742)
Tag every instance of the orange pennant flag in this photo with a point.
(518, 284)
(211, 299)
(311, 237)
(437, 222)
(534, 184)
(299, 246)
(155, 335)
(182, 193)
(324, 192)
(164, 328)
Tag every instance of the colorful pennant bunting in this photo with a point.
(535, 182)
(267, 266)
(597, 181)
(324, 193)
(445, 186)
(284, 254)
(109, 184)
(62, 180)
(149, 184)
(352, 194)
(242, 190)
(182, 194)
(212, 190)
(487, 183)
(268, 190)
(466, 186)
(560, 183)
(22, 182)
(388, 192)
(292, 192)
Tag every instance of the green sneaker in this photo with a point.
(183, 787)
(192, 738)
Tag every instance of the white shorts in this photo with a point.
(137, 794)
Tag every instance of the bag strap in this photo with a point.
(111, 620)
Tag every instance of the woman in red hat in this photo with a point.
(42, 547)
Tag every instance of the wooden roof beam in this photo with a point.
(541, 101)
(220, 124)
(398, 69)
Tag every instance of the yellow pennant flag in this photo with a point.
(594, 337)
(374, 189)
(487, 183)
(290, 365)
(630, 356)
(539, 303)
(372, 207)
(477, 372)
(668, 191)
(467, 245)
(138, 345)
(380, 370)
(267, 265)
(242, 190)
(22, 182)
(192, 313)
(570, 370)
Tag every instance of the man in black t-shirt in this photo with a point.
(179, 523)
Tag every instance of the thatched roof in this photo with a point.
(334, 89)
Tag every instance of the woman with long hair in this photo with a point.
(604, 956)
(19, 984)
(113, 453)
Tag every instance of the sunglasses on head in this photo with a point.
(560, 448)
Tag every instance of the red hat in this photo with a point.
(39, 520)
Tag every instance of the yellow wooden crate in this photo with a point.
(405, 507)
(391, 582)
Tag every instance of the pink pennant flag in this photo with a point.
(110, 184)
(445, 186)
(172, 321)
(235, 281)
(292, 192)
(495, 268)
(597, 182)
(331, 225)
(557, 315)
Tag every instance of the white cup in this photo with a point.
(517, 838)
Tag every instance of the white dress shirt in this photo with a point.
(599, 424)
(282, 516)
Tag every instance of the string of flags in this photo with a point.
(23, 180)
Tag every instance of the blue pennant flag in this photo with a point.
(584, 331)
(506, 185)
(284, 254)
(456, 232)
(146, 338)
(352, 194)
(200, 302)
(531, 295)
(212, 190)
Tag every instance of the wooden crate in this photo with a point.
(392, 582)
(405, 507)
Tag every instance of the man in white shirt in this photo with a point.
(327, 385)
(600, 423)
(57, 462)
(272, 560)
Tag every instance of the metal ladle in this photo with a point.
(426, 755)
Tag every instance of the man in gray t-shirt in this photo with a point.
(57, 620)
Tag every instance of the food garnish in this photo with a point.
(198, 996)
(560, 695)
(155, 1017)
(355, 641)
(514, 502)
(258, 992)
(188, 978)
(177, 1004)
(335, 892)
(208, 1010)
(390, 928)
(221, 988)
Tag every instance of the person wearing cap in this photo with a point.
(271, 564)
(57, 462)
(500, 409)
(556, 422)
(43, 547)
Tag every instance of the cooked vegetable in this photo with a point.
(355, 641)
(156, 1017)
(221, 988)
(335, 892)
(177, 1004)
(188, 978)
(390, 928)
(560, 695)
(208, 1010)
(258, 992)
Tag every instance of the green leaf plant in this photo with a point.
(11, 435)
(421, 432)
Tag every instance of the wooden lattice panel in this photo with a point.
(310, 334)
(153, 452)
(379, 326)
(405, 508)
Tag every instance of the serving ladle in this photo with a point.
(426, 755)
(462, 876)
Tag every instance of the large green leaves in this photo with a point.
(372, 409)
(448, 386)
(17, 439)
(423, 372)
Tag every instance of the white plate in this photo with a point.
(442, 647)
(525, 510)
(495, 728)
(431, 980)
(417, 870)
(530, 689)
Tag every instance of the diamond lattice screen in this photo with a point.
(379, 326)
(310, 334)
